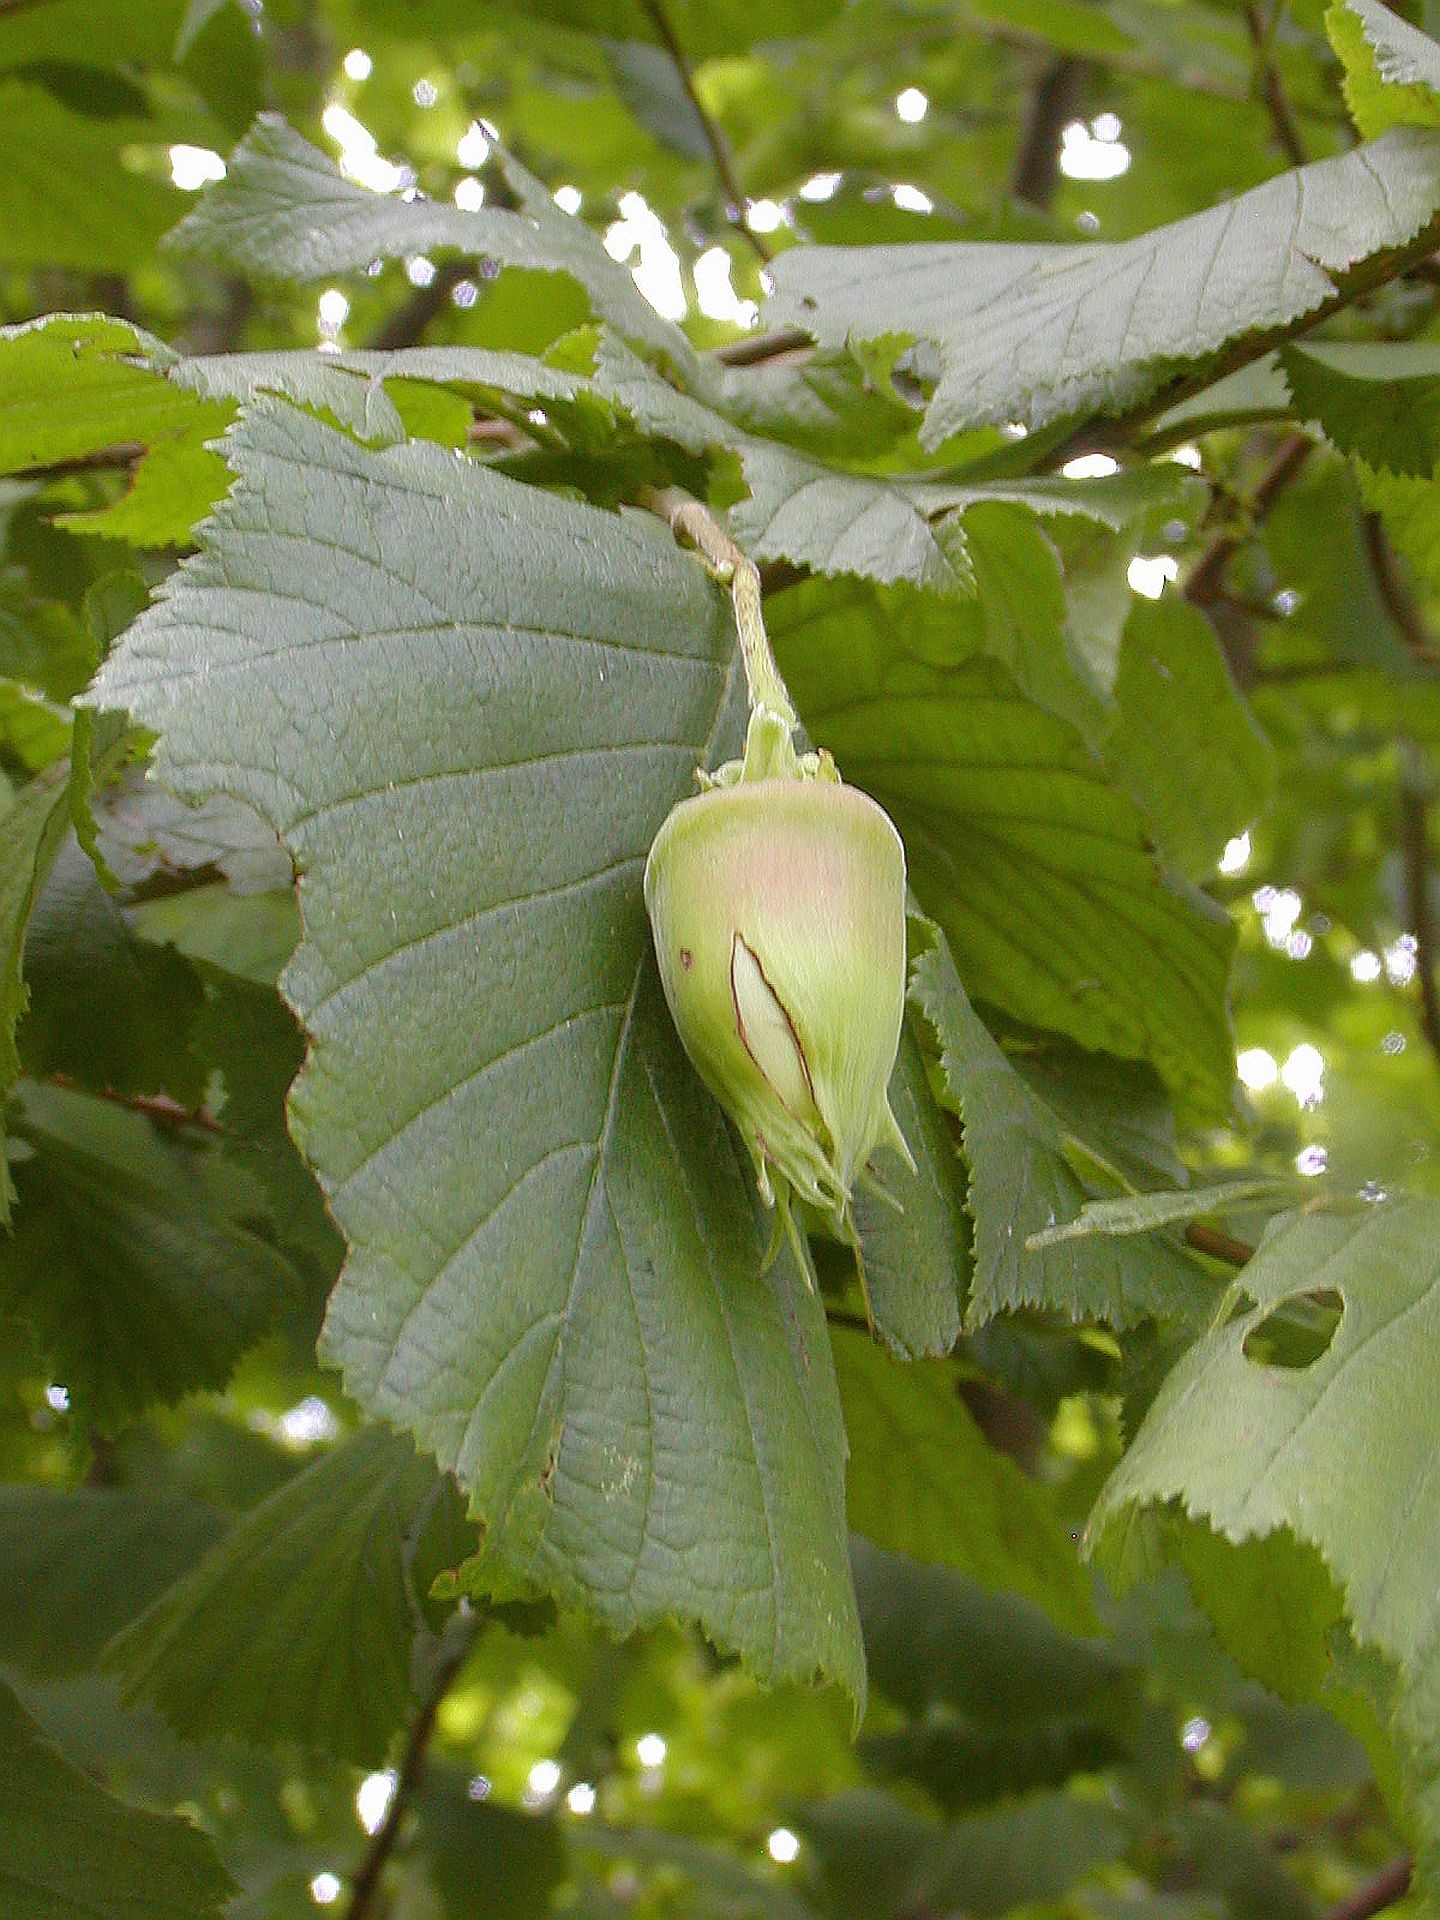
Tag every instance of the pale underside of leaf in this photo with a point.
(1035, 332)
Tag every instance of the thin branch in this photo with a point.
(1219, 1246)
(838, 1317)
(1415, 785)
(714, 138)
(1419, 908)
(1392, 1883)
(102, 460)
(158, 1107)
(406, 325)
(1385, 570)
(1036, 172)
(1207, 576)
(1271, 87)
(756, 348)
(408, 1775)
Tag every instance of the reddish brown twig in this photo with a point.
(1392, 1883)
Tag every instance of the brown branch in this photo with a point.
(158, 1107)
(1036, 172)
(1419, 908)
(1392, 1883)
(1415, 785)
(1207, 576)
(1385, 570)
(406, 325)
(714, 138)
(758, 347)
(409, 1774)
(102, 460)
(1270, 85)
(1219, 1246)
(856, 1322)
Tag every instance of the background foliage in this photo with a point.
(418, 1499)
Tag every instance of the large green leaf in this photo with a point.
(1027, 1154)
(1031, 333)
(1037, 868)
(955, 1500)
(1339, 1450)
(467, 706)
(136, 1260)
(298, 1625)
(286, 212)
(67, 1847)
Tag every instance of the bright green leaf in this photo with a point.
(1392, 70)
(914, 1237)
(1184, 745)
(1251, 1447)
(1379, 400)
(1145, 1212)
(50, 160)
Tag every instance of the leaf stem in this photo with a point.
(714, 138)
(158, 1107)
(461, 1633)
(689, 520)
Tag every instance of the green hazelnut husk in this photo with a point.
(778, 909)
